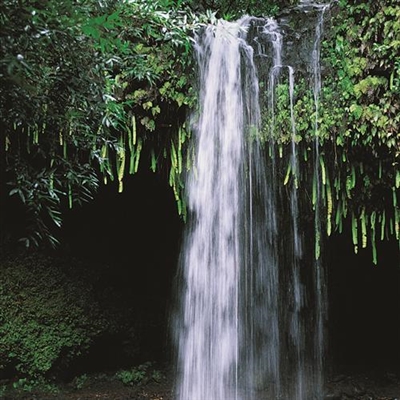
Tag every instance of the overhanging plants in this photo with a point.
(91, 93)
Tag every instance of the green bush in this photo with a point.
(47, 317)
(140, 374)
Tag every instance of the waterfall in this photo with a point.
(209, 341)
(242, 330)
(319, 276)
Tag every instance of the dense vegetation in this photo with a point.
(361, 120)
(83, 87)
(50, 318)
(89, 90)
(58, 314)
(86, 86)
(357, 124)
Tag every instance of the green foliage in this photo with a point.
(47, 318)
(365, 58)
(50, 104)
(362, 55)
(139, 375)
(30, 385)
(358, 124)
(90, 92)
(148, 90)
(80, 381)
(84, 88)
(131, 377)
(230, 10)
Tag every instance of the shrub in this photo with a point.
(47, 317)
(140, 374)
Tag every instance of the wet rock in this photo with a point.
(333, 396)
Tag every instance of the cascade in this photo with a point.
(320, 283)
(249, 325)
(209, 340)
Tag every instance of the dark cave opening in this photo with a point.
(364, 305)
(133, 239)
(137, 233)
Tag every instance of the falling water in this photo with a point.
(261, 294)
(319, 278)
(240, 332)
(297, 329)
(209, 342)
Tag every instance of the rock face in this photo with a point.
(297, 26)
(366, 386)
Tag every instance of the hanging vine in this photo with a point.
(90, 93)
(358, 124)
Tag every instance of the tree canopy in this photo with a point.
(83, 85)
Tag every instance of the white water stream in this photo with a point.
(210, 336)
(233, 331)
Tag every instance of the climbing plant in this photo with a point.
(365, 60)
(357, 124)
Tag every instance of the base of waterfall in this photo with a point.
(345, 384)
